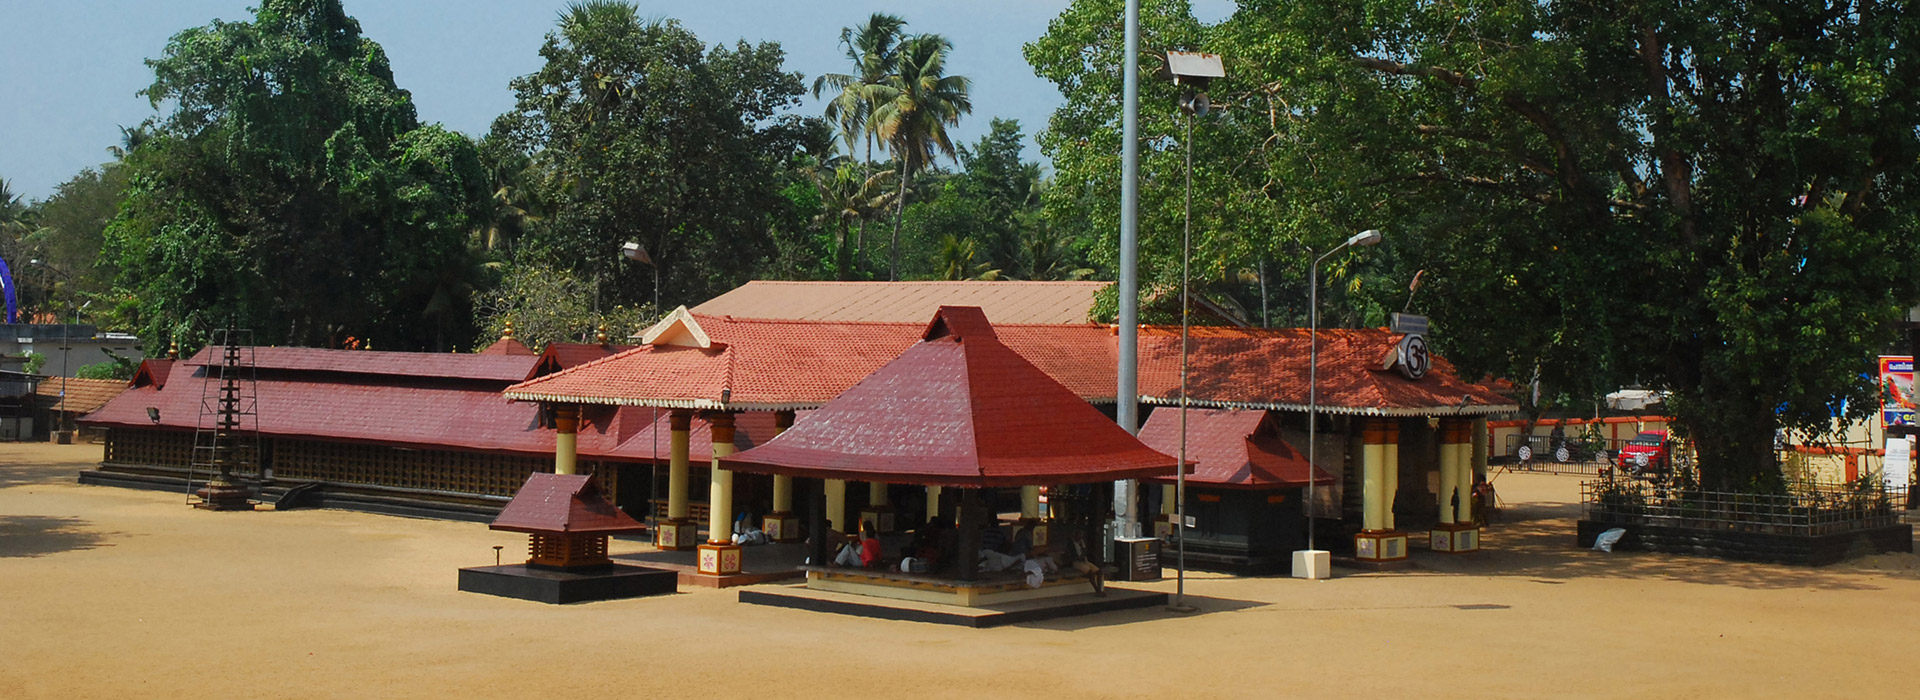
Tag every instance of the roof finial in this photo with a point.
(173, 350)
(600, 334)
(507, 333)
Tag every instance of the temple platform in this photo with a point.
(560, 587)
(992, 615)
(767, 563)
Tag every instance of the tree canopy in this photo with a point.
(292, 190)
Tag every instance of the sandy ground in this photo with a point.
(114, 593)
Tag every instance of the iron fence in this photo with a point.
(1581, 455)
(1807, 509)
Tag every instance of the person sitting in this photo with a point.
(866, 553)
(1080, 557)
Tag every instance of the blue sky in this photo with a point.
(69, 68)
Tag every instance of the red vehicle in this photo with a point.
(1648, 452)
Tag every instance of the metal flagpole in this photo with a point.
(1127, 409)
(1186, 308)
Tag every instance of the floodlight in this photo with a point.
(1368, 237)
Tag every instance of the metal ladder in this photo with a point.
(227, 432)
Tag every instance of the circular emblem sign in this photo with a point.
(1413, 360)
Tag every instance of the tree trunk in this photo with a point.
(899, 206)
(842, 255)
(1734, 442)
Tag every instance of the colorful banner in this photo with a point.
(1896, 390)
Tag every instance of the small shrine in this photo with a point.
(568, 521)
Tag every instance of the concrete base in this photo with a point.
(677, 535)
(223, 496)
(543, 585)
(926, 589)
(1312, 564)
(1453, 538)
(781, 527)
(803, 598)
(1379, 546)
(716, 559)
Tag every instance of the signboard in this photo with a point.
(1411, 357)
(1896, 390)
(1897, 464)
(1139, 558)
(1407, 323)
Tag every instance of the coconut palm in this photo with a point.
(873, 48)
(846, 196)
(912, 111)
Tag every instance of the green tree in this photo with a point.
(912, 111)
(874, 51)
(291, 190)
(645, 134)
(1709, 198)
(72, 229)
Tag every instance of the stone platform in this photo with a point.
(560, 587)
(802, 598)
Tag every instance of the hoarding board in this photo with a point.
(1896, 390)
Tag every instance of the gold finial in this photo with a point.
(368, 346)
(600, 334)
(173, 350)
(507, 333)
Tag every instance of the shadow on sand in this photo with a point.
(1536, 541)
(28, 474)
(1203, 605)
(39, 535)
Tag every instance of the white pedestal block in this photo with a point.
(1312, 564)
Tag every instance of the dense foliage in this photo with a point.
(1710, 198)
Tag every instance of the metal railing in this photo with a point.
(1807, 509)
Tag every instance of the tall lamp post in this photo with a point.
(1192, 71)
(1312, 563)
(66, 345)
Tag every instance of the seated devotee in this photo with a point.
(922, 554)
(744, 533)
(870, 546)
(1080, 557)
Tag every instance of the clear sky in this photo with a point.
(69, 68)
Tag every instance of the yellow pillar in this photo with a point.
(782, 485)
(1391, 465)
(1449, 470)
(836, 503)
(876, 494)
(1373, 485)
(566, 439)
(1463, 477)
(1167, 500)
(1030, 502)
(681, 423)
(720, 492)
(1481, 445)
(933, 502)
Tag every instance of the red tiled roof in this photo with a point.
(560, 356)
(768, 364)
(957, 409)
(563, 503)
(906, 302)
(1267, 368)
(507, 346)
(83, 395)
(152, 372)
(1231, 447)
(445, 365)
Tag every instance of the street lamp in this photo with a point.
(66, 345)
(1307, 562)
(633, 251)
(1193, 70)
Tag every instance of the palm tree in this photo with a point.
(873, 49)
(912, 112)
(130, 138)
(845, 197)
(956, 261)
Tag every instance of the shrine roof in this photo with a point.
(82, 395)
(443, 365)
(957, 408)
(906, 302)
(563, 503)
(1231, 447)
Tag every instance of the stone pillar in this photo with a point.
(836, 503)
(782, 525)
(1456, 532)
(1391, 453)
(878, 511)
(720, 556)
(1378, 542)
(678, 532)
(1030, 514)
(566, 438)
(1169, 502)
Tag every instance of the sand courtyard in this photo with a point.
(108, 592)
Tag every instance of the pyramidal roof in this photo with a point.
(1239, 448)
(560, 503)
(957, 408)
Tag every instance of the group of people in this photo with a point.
(935, 547)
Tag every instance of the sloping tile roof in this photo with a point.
(560, 503)
(83, 395)
(958, 408)
(421, 412)
(507, 346)
(1231, 447)
(1267, 368)
(559, 356)
(446, 365)
(905, 302)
